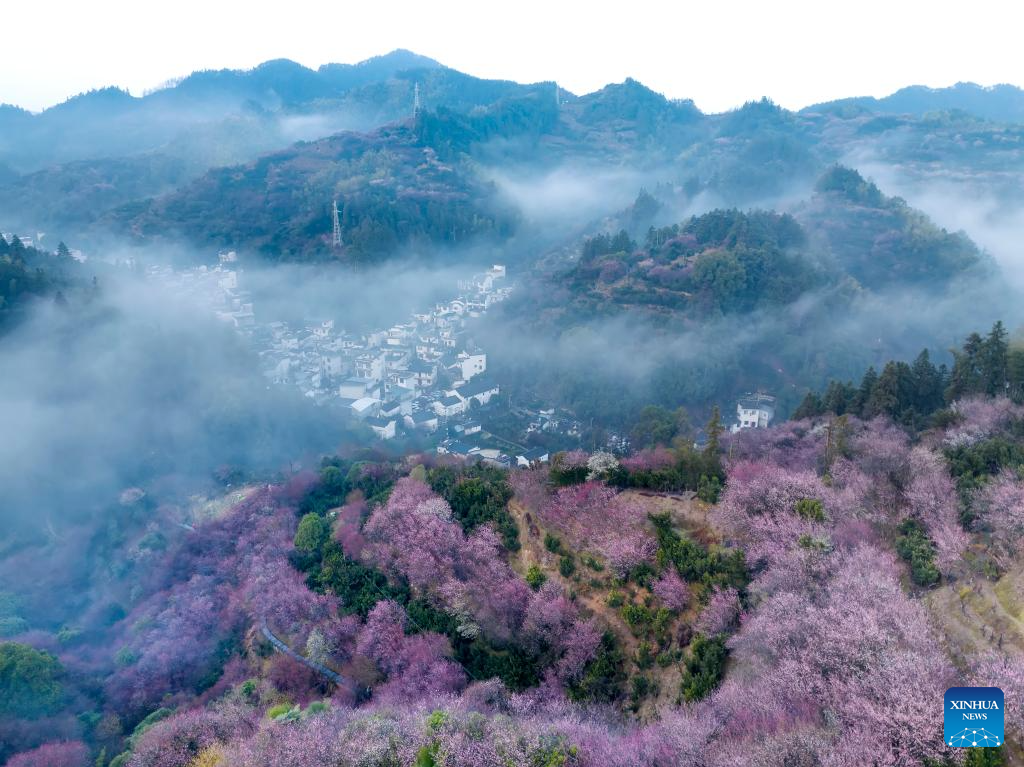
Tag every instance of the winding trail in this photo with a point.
(319, 668)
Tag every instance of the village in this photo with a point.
(422, 379)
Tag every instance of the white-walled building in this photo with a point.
(471, 364)
(754, 411)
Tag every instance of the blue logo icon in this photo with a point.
(973, 717)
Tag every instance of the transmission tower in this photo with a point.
(416, 101)
(336, 234)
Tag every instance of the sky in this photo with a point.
(720, 53)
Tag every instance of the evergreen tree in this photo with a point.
(16, 248)
(891, 394)
(928, 384)
(621, 243)
(993, 360)
(62, 250)
(809, 407)
(1015, 374)
(966, 376)
(867, 383)
(838, 397)
(714, 431)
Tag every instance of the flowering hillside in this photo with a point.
(373, 615)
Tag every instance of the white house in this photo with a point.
(424, 420)
(354, 388)
(384, 428)
(530, 457)
(470, 365)
(371, 365)
(481, 391)
(450, 405)
(366, 407)
(754, 411)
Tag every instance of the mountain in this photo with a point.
(394, 191)
(110, 121)
(881, 241)
(1000, 103)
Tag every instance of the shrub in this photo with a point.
(918, 551)
(535, 577)
(704, 667)
(552, 543)
(566, 566)
(811, 509)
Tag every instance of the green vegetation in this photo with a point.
(811, 509)
(704, 667)
(567, 566)
(915, 395)
(30, 681)
(552, 543)
(312, 533)
(918, 551)
(478, 494)
(972, 465)
(535, 577)
(695, 563)
(602, 680)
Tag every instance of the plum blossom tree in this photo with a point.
(931, 497)
(176, 741)
(671, 590)
(980, 418)
(1001, 503)
(596, 516)
(765, 508)
(72, 753)
(721, 613)
(414, 536)
(416, 666)
(600, 463)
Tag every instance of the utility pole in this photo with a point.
(336, 234)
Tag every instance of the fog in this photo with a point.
(989, 209)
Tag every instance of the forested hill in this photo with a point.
(393, 189)
(697, 312)
(69, 167)
(728, 261)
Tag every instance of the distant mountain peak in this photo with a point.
(403, 58)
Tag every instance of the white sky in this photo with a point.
(718, 52)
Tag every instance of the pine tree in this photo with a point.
(714, 431)
(837, 398)
(17, 248)
(966, 376)
(993, 360)
(891, 393)
(928, 384)
(867, 383)
(62, 250)
(809, 407)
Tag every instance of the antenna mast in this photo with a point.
(336, 234)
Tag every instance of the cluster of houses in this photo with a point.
(418, 375)
(424, 375)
